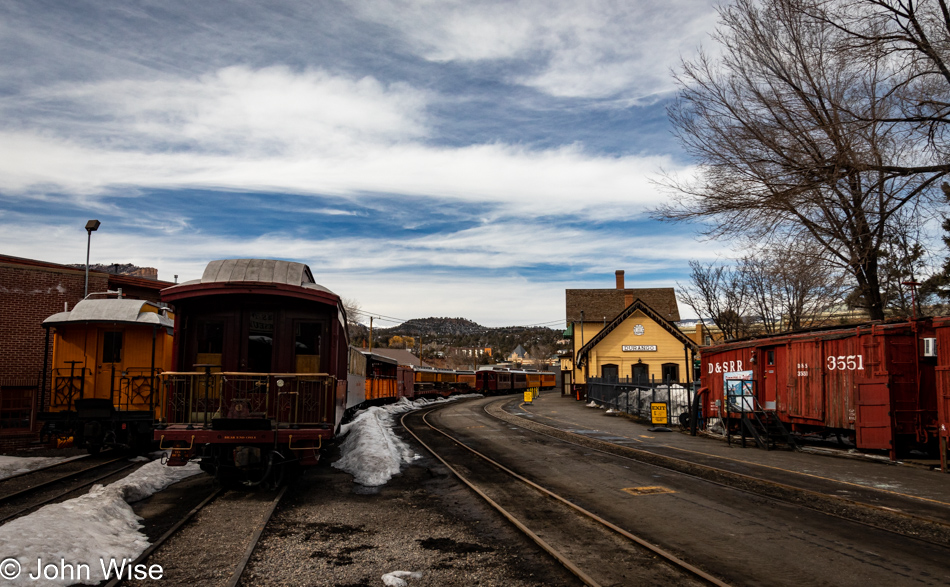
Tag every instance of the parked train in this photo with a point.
(262, 373)
(885, 386)
(107, 358)
(251, 375)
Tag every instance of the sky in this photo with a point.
(454, 158)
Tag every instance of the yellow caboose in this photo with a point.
(103, 385)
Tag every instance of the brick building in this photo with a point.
(30, 292)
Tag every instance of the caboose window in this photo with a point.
(210, 336)
(307, 338)
(111, 347)
(770, 357)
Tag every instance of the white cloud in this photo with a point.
(397, 277)
(305, 132)
(593, 48)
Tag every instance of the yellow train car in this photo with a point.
(466, 380)
(381, 377)
(103, 387)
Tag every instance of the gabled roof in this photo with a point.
(598, 304)
(637, 304)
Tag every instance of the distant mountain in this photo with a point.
(436, 333)
(436, 327)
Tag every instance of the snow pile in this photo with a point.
(90, 530)
(398, 578)
(593, 404)
(372, 452)
(10, 466)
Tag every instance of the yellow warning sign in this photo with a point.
(658, 413)
(528, 396)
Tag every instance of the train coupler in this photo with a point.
(179, 457)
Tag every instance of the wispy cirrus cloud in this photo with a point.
(302, 132)
(566, 48)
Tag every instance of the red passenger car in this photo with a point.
(493, 381)
(260, 370)
(871, 382)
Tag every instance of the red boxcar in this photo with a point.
(941, 347)
(871, 382)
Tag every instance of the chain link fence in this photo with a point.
(634, 397)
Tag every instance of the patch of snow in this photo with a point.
(10, 466)
(398, 578)
(371, 451)
(593, 404)
(90, 530)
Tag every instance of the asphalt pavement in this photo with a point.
(848, 474)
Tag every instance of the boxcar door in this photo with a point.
(872, 422)
(774, 375)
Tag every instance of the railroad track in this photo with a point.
(914, 523)
(184, 551)
(595, 550)
(29, 492)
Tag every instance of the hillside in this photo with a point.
(439, 334)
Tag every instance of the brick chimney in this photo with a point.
(619, 278)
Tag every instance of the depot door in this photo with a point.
(641, 374)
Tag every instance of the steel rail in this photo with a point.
(74, 489)
(44, 484)
(667, 556)
(168, 534)
(46, 468)
(242, 564)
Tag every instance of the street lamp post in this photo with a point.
(91, 226)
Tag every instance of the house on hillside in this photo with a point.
(620, 333)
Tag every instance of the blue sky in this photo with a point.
(424, 158)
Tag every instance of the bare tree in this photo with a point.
(792, 285)
(353, 326)
(799, 134)
(717, 293)
(915, 34)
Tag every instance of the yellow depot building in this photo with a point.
(624, 334)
